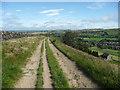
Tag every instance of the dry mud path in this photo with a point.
(46, 71)
(76, 78)
(30, 70)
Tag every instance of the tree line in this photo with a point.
(70, 38)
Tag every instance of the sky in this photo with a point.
(59, 15)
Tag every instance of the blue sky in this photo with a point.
(59, 15)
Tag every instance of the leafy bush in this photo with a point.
(70, 38)
(95, 53)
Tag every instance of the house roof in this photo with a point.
(105, 54)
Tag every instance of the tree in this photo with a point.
(83, 46)
(95, 53)
(70, 38)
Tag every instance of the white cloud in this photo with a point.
(54, 11)
(1, 11)
(9, 14)
(52, 14)
(97, 5)
(105, 18)
(109, 18)
(49, 22)
(18, 10)
(12, 22)
(70, 12)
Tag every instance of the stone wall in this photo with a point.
(5, 35)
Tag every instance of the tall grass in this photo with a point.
(40, 70)
(58, 77)
(42, 48)
(15, 54)
(101, 71)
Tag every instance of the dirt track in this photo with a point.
(30, 71)
(46, 71)
(76, 78)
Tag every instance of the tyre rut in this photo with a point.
(76, 78)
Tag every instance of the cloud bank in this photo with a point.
(51, 12)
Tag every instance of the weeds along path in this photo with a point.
(30, 71)
(46, 71)
(76, 78)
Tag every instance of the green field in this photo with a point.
(103, 33)
(100, 70)
(98, 39)
(112, 32)
(114, 53)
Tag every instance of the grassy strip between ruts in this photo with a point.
(58, 77)
(15, 54)
(40, 70)
(101, 71)
(42, 49)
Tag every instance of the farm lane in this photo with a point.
(76, 78)
(30, 70)
(46, 71)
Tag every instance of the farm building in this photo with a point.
(106, 56)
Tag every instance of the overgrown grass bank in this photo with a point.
(100, 70)
(15, 54)
(40, 70)
(58, 77)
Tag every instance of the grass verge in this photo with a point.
(58, 77)
(100, 70)
(40, 70)
(15, 54)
